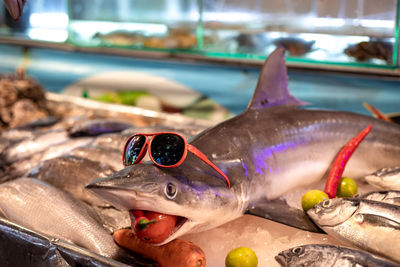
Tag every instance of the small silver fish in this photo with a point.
(370, 225)
(71, 174)
(41, 207)
(386, 178)
(317, 255)
(30, 146)
(23, 166)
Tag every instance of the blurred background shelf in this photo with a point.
(354, 34)
(207, 53)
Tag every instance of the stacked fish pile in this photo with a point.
(48, 153)
(45, 166)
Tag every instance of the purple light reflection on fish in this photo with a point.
(246, 172)
(303, 136)
(261, 157)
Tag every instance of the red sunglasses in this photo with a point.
(166, 149)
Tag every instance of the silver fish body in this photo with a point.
(43, 208)
(386, 178)
(370, 225)
(25, 165)
(268, 150)
(30, 146)
(316, 255)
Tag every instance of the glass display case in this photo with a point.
(346, 33)
(136, 24)
(340, 31)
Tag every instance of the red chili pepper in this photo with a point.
(377, 112)
(340, 162)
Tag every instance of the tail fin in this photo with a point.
(272, 86)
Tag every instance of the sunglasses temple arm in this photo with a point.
(203, 157)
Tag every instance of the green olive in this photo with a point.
(312, 198)
(347, 187)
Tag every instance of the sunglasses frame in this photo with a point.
(187, 147)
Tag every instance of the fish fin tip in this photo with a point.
(279, 211)
(272, 87)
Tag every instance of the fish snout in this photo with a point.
(281, 259)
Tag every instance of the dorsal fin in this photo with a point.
(272, 86)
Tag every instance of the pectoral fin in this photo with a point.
(377, 221)
(280, 211)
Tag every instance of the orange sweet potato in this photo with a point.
(178, 253)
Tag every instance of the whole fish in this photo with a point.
(370, 225)
(20, 246)
(23, 166)
(41, 207)
(386, 178)
(268, 150)
(388, 196)
(97, 127)
(316, 255)
(30, 146)
(99, 154)
(71, 174)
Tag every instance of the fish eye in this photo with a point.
(170, 190)
(297, 250)
(326, 203)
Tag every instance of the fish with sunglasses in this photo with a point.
(245, 164)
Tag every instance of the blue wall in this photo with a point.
(231, 87)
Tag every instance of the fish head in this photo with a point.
(333, 211)
(301, 256)
(200, 198)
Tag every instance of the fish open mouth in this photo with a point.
(162, 225)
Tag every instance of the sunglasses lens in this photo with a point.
(133, 149)
(167, 149)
